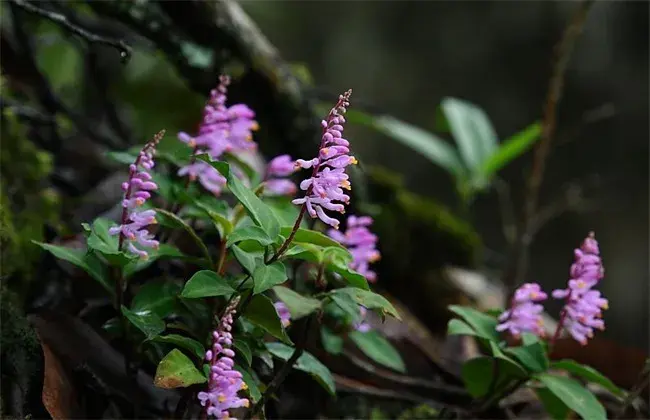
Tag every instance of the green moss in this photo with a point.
(26, 202)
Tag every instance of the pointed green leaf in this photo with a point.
(423, 142)
(458, 327)
(147, 322)
(484, 325)
(243, 350)
(477, 374)
(552, 404)
(176, 370)
(378, 349)
(310, 237)
(157, 297)
(472, 131)
(262, 313)
(532, 356)
(510, 149)
(370, 300)
(206, 283)
(254, 233)
(216, 211)
(183, 342)
(306, 363)
(84, 260)
(247, 260)
(169, 219)
(105, 244)
(588, 373)
(267, 276)
(299, 305)
(261, 214)
(249, 378)
(574, 395)
(332, 343)
(164, 251)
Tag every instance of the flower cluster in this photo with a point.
(524, 315)
(325, 187)
(224, 382)
(277, 170)
(583, 309)
(361, 243)
(283, 313)
(223, 129)
(137, 190)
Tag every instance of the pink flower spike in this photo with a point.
(136, 192)
(583, 307)
(361, 243)
(524, 315)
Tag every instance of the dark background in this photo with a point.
(404, 57)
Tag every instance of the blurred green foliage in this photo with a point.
(27, 203)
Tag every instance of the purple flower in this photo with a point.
(137, 190)
(283, 313)
(328, 179)
(279, 167)
(524, 315)
(361, 325)
(225, 382)
(583, 309)
(223, 129)
(361, 243)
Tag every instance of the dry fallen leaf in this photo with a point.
(59, 396)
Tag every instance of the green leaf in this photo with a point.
(532, 356)
(244, 350)
(588, 373)
(553, 405)
(107, 245)
(206, 283)
(332, 343)
(250, 381)
(169, 219)
(484, 325)
(310, 237)
(511, 148)
(267, 276)
(299, 305)
(183, 342)
(353, 278)
(477, 374)
(220, 220)
(285, 211)
(306, 363)
(164, 251)
(472, 131)
(247, 260)
(370, 300)
(458, 327)
(82, 259)
(423, 142)
(574, 395)
(348, 306)
(176, 370)
(159, 298)
(254, 233)
(262, 313)
(378, 349)
(147, 322)
(125, 158)
(261, 214)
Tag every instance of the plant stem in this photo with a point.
(287, 242)
(284, 370)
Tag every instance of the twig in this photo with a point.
(642, 382)
(61, 19)
(508, 221)
(284, 370)
(519, 258)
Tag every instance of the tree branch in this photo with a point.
(62, 20)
